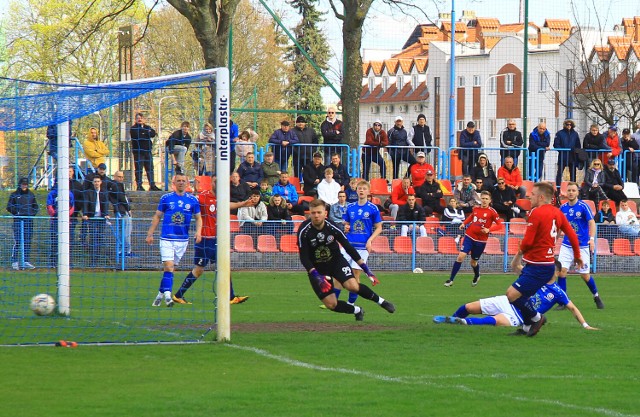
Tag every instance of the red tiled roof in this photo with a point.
(461, 27)
(377, 67)
(391, 65)
(511, 27)
(558, 24)
(406, 65)
(488, 22)
(392, 95)
(421, 64)
(416, 49)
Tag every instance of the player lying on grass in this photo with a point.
(499, 312)
(320, 255)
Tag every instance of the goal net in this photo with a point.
(96, 300)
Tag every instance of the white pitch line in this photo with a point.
(411, 380)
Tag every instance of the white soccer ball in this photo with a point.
(42, 304)
(418, 271)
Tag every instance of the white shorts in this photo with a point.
(566, 258)
(172, 250)
(500, 305)
(364, 254)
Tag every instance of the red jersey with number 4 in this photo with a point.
(539, 241)
(479, 218)
(208, 212)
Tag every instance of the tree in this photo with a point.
(305, 83)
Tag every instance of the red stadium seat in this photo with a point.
(380, 245)
(493, 247)
(432, 224)
(497, 229)
(376, 201)
(524, 203)
(622, 247)
(295, 181)
(632, 206)
(234, 226)
(447, 185)
(563, 188)
(592, 206)
(529, 186)
(202, 183)
(289, 243)
(636, 247)
(448, 246)
(403, 244)
(425, 245)
(297, 221)
(306, 198)
(603, 247)
(379, 187)
(267, 244)
(517, 226)
(243, 243)
(513, 246)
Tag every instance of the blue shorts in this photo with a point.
(205, 251)
(476, 248)
(532, 278)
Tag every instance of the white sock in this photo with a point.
(167, 295)
(356, 309)
(381, 300)
(536, 318)
(159, 295)
(526, 327)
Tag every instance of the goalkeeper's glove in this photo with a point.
(370, 274)
(325, 285)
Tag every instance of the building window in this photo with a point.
(385, 83)
(493, 85)
(493, 127)
(461, 82)
(543, 82)
(476, 81)
(461, 125)
(508, 83)
(372, 83)
(414, 81)
(400, 82)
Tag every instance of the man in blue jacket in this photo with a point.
(539, 143)
(282, 141)
(567, 138)
(471, 141)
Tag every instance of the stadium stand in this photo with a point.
(403, 245)
(267, 244)
(602, 247)
(425, 245)
(243, 243)
(622, 247)
(289, 244)
(380, 245)
(447, 246)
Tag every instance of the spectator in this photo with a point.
(412, 212)
(278, 215)
(78, 197)
(627, 220)
(282, 141)
(503, 200)
(420, 135)
(332, 133)
(52, 136)
(399, 196)
(328, 189)
(270, 169)
(569, 140)
(636, 134)
(352, 192)
(178, 145)
(23, 206)
(375, 142)
(95, 213)
(480, 185)
(338, 210)
(613, 184)
(400, 147)
(238, 191)
(141, 147)
(100, 172)
(288, 191)
(307, 138)
(252, 217)
(470, 142)
(340, 172)
(234, 137)
(204, 155)
(631, 156)
(512, 177)
(52, 209)
(510, 140)
(453, 216)
(466, 195)
(593, 180)
(484, 171)
(430, 192)
(593, 142)
(605, 215)
(95, 150)
(246, 143)
(613, 142)
(265, 191)
(418, 171)
(312, 174)
(539, 143)
(250, 171)
(122, 211)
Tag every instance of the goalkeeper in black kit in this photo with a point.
(320, 255)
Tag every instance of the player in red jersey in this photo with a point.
(205, 251)
(537, 251)
(478, 226)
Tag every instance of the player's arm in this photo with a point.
(154, 224)
(516, 263)
(305, 258)
(576, 313)
(342, 239)
(376, 232)
(237, 204)
(198, 217)
(592, 235)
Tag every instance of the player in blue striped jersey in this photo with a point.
(582, 221)
(175, 210)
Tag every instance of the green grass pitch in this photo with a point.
(287, 357)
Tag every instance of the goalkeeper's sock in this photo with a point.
(352, 298)
(344, 307)
(336, 291)
(167, 281)
(232, 294)
(454, 270)
(188, 282)
(479, 321)
(476, 270)
(367, 293)
(592, 286)
(461, 312)
(562, 283)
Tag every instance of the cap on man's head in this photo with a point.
(420, 154)
(429, 172)
(301, 119)
(284, 123)
(268, 154)
(317, 155)
(626, 131)
(471, 124)
(398, 118)
(23, 180)
(102, 166)
(611, 162)
(422, 116)
(378, 122)
(614, 128)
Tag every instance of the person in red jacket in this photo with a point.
(537, 251)
(418, 171)
(376, 139)
(512, 177)
(399, 196)
(613, 141)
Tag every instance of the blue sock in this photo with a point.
(167, 281)
(592, 286)
(454, 271)
(337, 292)
(353, 297)
(562, 283)
(232, 294)
(476, 270)
(188, 282)
(481, 321)
(461, 312)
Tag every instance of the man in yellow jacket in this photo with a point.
(94, 149)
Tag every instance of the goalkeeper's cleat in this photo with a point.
(238, 300)
(475, 281)
(157, 302)
(598, 301)
(388, 306)
(168, 302)
(360, 315)
(28, 265)
(536, 326)
(448, 283)
(518, 332)
(179, 300)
